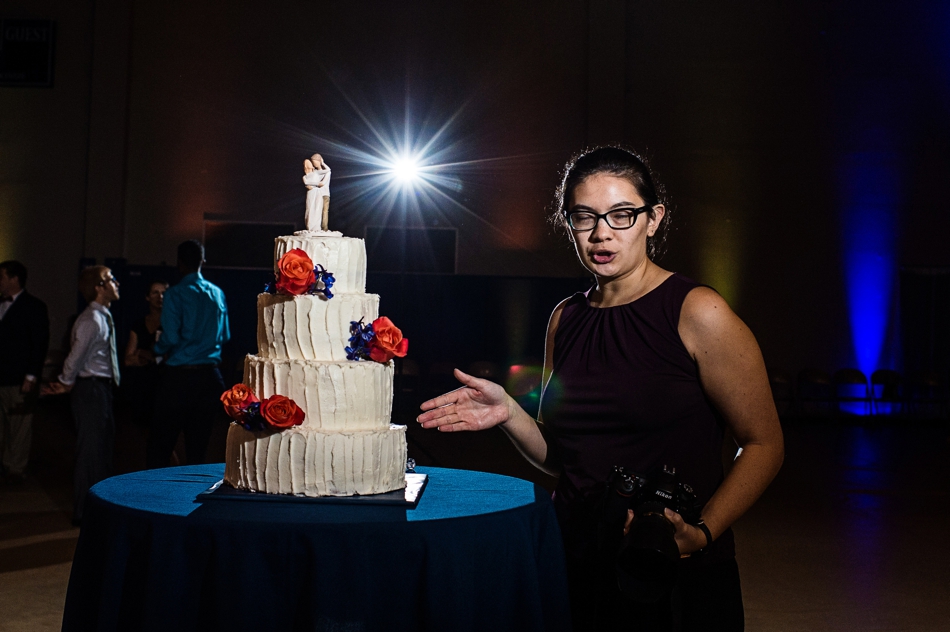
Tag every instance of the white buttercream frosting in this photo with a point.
(345, 257)
(311, 462)
(310, 327)
(347, 395)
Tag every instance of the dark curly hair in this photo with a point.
(623, 163)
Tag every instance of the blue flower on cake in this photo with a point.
(360, 337)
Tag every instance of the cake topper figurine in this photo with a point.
(317, 178)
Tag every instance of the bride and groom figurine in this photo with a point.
(317, 179)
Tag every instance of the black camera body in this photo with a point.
(645, 559)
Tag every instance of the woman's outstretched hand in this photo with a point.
(477, 405)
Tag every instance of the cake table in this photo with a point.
(479, 552)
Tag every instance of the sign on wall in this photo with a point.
(26, 53)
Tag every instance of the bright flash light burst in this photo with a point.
(408, 172)
(406, 169)
(413, 181)
(415, 178)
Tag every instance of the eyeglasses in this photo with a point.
(618, 219)
(111, 279)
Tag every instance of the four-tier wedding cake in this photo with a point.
(312, 416)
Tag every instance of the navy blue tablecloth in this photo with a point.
(480, 552)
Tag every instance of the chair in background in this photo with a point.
(783, 393)
(927, 396)
(852, 395)
(816, 394)
(887, 393)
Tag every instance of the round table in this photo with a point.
(479, 552)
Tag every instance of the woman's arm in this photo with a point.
(131, 357)
(172, 321)
(481, 404)
(732, 374)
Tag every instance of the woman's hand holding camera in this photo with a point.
(688, 538)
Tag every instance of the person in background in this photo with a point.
(140, 372)
(194, 329)
(24, 340)
(140, 350)
(89, 374)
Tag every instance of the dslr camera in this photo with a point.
(646, 558)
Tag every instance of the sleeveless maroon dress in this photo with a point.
(625, 391)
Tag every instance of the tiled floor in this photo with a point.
(851, 536)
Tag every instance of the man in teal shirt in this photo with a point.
(194, 328)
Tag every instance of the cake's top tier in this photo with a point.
(344, 257)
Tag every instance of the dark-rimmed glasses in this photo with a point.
(618, 219)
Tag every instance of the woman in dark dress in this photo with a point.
(647, 369)
(140, 376)
(145, 331)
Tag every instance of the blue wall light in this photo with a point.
(869, 186)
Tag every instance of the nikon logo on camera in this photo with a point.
(664, 494)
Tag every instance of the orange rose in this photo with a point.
(295, 272)
(281, 412)
(238, 397)
(387, 342)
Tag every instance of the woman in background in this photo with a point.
(644, 370)
(145, 331)
(140, 378)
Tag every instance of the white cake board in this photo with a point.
(408, 497)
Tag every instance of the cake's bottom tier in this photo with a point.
(313, 462)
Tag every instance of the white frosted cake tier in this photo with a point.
(308, 462)
(310, 327)
(345, 257)
(346, 395)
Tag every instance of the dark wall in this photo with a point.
(44, 142)
(236, 100)
(795, 139)
(800, 144)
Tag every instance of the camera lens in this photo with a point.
(647, 560)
